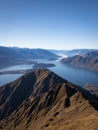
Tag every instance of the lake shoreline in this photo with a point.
(75, 75)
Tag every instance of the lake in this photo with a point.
(74, 75)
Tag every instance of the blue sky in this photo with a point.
(53, 24)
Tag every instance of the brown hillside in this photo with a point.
(89, 61)
(41, 100)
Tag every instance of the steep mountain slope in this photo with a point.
(12, 55)
(89, 60)
(42, 100)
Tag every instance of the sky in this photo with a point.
(49, 24)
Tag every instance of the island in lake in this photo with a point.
(35, 66)
(43, 65)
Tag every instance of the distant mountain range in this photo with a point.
(78, 52)
(41, 100)
(88, 60)
(13, 55)
(72, 52)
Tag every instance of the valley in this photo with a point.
(48, 64)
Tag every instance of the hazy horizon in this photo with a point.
(49, 48)
(51, 24)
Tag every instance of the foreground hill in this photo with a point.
(13, 56)
(41, 100)
(89, 60)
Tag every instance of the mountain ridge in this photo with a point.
(42, 97)
(88, 60)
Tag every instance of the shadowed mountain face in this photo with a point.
(89, 60)
(42, 100)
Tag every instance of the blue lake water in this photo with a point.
(6, 78)
(74, 75)
(16, 67)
